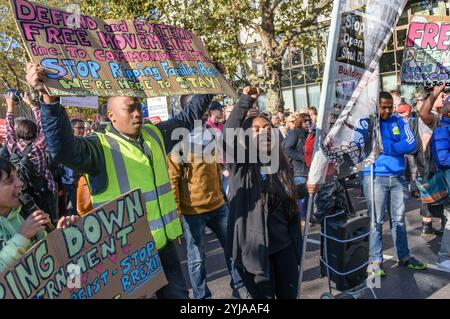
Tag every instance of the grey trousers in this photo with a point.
(444, 253)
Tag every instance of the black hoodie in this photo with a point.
(249, 219)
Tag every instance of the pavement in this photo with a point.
(400, 283)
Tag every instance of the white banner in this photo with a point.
(347, 136)
(90, 102)
(158, 107)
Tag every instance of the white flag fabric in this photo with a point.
(347, 134)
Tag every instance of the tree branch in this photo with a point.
(5, 81)
(14, 73)
(307, 23)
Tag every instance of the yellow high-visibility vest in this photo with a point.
(128, 168)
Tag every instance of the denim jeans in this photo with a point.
(194, 232)
(389, 196)
(176, 287)
(225, 186)
(298, 180)
(444, 253)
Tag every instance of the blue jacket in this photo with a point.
(440, 144)
(398, 140)
(86, 154)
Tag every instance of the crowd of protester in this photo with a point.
(54, 170)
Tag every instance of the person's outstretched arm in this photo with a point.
(425, 112)
(194, 111)
(81, 154)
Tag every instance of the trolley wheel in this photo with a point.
(327, 295)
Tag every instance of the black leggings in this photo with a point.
(283, 281)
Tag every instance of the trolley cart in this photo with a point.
(334, 293)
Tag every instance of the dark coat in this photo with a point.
(248, 232)
(293, 146)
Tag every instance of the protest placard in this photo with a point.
(426, 59)
(85, 56)
(109, 253)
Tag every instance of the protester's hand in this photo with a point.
(26, 98)
(10, 102)
(252, 112)
(34, 224)
(226, 173)
(36, 77)
(67, 221)
(254, 92)
(438, 89)
(312, 188)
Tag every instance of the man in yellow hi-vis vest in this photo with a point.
(127, 155)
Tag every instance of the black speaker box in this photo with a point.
(345, 257)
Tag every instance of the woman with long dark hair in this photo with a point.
(264, 229)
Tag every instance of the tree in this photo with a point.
(13, 57)
(223, 24)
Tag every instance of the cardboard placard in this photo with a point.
(109, 253)
(426, 59)
(86, 56)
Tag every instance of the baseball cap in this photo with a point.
(403, 108)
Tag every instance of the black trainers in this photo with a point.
(240, 293)
(413, 263)
(427, 229)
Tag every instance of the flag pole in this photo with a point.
(321, 121)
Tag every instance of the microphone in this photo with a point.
(50, 227)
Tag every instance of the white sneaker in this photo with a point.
(445, 265)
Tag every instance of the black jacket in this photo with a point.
(248, 231)
(293, 146)
(86, 155)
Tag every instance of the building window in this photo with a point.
(389, 82)
(298, 76)
(401, 38)
(387, 62)
(311, 74)
(314, 95)
(286, 78)
(296, 56)
(288, 99)
(301, 98)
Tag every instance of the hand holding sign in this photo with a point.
(67, 221)
(34, 224)
(437, 90)
(36, 78)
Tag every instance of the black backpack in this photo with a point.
(27, 172)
